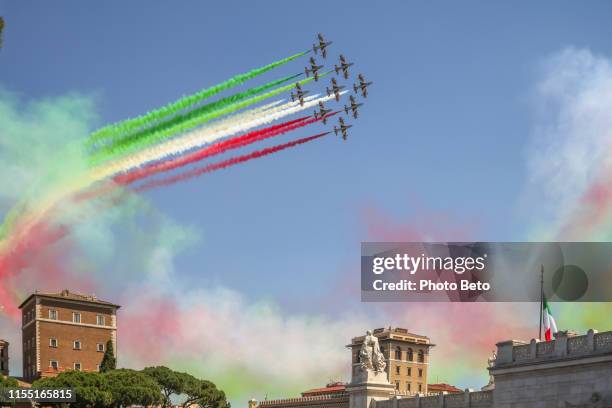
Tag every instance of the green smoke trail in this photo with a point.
(164, 127)
(116, 130)
(157, 136)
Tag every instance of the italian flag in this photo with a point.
(550, 326)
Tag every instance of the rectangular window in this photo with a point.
(52, 342)
(53, 364)
(100, 346)
(77, 345)
(420, 387)
(52, 314)
(420, 372)
(409, 371)
(397, 369)
(76, 317)
(397, 385)
(77, 366)
(408, 387)
(100, 320)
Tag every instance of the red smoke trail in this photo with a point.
(594, 207)
(227, 163)
(28, 252)
(216, 148)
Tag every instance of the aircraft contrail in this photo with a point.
(227, 163)
(217, 148)
(183, 121)
(159, 135)
(117, 129)
(202, 136)
(210, 150)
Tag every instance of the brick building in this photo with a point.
(442, 388)
(407, 357)
(65, 331)
(4, 357)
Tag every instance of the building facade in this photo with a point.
(407, 357)
(65, 331)
(4, 357)
(570, 371)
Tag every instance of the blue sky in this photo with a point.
(445, 127)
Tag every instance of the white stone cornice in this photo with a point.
(76, 324)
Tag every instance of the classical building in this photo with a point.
(406, 355)
(4, 357)
(65, 331)
(570, 371)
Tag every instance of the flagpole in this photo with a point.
(541, 299)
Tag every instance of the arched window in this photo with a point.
(421, 356)
(398, 353)
(410, 355)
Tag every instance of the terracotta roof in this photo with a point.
(332, 388)
(67, 295)
(443, 387)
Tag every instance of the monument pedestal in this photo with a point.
(368, 386)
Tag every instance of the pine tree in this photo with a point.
(109, 362)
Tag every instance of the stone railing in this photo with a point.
(326, 400)
(563, 346)
(468, 399)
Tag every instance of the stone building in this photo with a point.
(570, 371)
(4, 357)
(65, 331)
(573, 370)
(406, 355)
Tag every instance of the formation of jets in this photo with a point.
(343, 128)
(299, 94)
(353, 107)
(343, 67)
(322, 46)
(334, 89)
(362, 86)
(322, 113)
(314, 69)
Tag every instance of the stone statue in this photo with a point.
(490, 364)
(370, 356)
(491, 360)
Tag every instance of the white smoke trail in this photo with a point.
(223, 128)
(208, 134)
